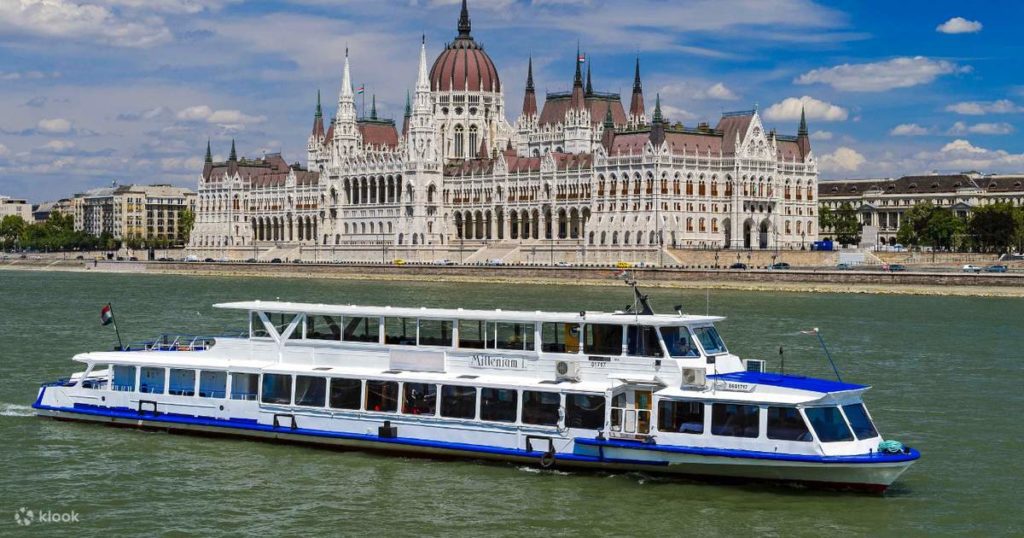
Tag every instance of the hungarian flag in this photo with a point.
(106, 315)
(582, 58)
(360, 90)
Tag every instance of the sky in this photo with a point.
(97, 91)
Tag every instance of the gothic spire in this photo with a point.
(209, 154)
(637, 87)
(373, 108)
(234, 155)
(578, 80)
(319, 109)
(636, 104)
(609, 121)
(529, 96)
(657, 109)
(408, 104)
(803, 123)
(590, 87)
(464, 25)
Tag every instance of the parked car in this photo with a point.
(969, 268)
(780, 265)
(444, 261)
(495, 261)
(896, 268)
(191, 258)
(623, 265)
(276, 260)
(399, 262)
(843, 266)
(563, 264)
(251, 260)
(741, 266)
(996, 269)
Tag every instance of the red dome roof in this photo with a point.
(464, 66)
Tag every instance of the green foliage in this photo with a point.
(11, 228)
(57, 233)
(843, 223)
(994, 227)
(929, 225)
(186, 221)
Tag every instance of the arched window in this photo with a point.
(460, 147)
(474, 144)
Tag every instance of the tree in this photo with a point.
(993, 227)
(11, 228)
(1018, 229)
(843, 223)
(927, 224)
(186, 221)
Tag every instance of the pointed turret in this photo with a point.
(637, 115)
(657, 109)
(373, 107)
(464, 25)
(318, 120)
(577, 101)
(408, 113)
(209, 154)
(233, 157)
(483, 153)
(608, 136)
(803, 137)
(530, 96)
(657, 124)
(590, 87)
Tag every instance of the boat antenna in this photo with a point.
(828, 354)
(641, 304)
(782, 359)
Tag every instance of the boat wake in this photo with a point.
(15, 410)
(535, 470)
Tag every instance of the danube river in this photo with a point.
(947, 377)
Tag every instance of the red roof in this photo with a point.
(730, 124)
(271, 170)
(557, 105)
(378, 133)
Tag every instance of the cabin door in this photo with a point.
(631, 413)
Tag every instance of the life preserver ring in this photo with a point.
(547, 460)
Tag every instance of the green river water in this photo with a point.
(946, 376)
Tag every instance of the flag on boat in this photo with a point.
(106, 315)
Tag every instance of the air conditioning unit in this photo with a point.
(694, 377)
(754, 365)
(567, 371)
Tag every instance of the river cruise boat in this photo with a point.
(622, 391)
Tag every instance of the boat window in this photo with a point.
(361, 330)
(277, 389)
(828, 423)
(734, 420)
(212, 384)
(584, 411)
(310, 391)
(540, 407)
(786, 424)
(602, 339)
(346, 393)
(151, 380)
(458, 402)
(679, 342)
(124, 378)
(323, 327)
(560, 337)
(681, 417)
(435, 332)
(400, 331)
(382, 396)
(861, 422)
(244, 386)
(258, 329)
(709, 340)
(183, 382)
(419, 399)
(498, 405)
(518, 336)
(472, 333)
(642, 341)
(281, 322)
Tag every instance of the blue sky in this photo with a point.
(94, 91)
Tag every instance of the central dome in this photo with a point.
(464, 66)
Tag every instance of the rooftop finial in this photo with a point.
(637, 87)
(408, 104)
(657, 108)
(578, 81)
(234, 155)
(373, 108)
(803, 123)
(590, 87)
(319, 110)
(529, 75)
(209, 154)
(464, 25)
(609, 121)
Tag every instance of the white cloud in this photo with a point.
(720, 91)
(57, 146)
(56, 125)
(843, 159)
(902, 72)
(675, 114)
(790, 108)
(959, 25)
(79, 20)
(227, 118)
(979, 108)
(4, 150)
(961, 154)
(28, 75)
(908, 129)
(961, 128)
(821, 135)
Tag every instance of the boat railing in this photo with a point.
(249, 396)
(630, 423)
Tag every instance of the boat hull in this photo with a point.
(588, 454)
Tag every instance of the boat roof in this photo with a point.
(795, 382)
(620, 318)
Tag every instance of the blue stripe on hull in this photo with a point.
(873, 458)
